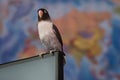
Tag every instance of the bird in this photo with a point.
(49, 34)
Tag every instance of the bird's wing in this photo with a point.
(57, 33)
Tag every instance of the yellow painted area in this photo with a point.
(87, 46)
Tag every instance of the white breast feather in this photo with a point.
(46, 32)
(44, 28)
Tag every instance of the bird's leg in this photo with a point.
(43, 53)
(53, 51)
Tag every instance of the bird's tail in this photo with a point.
(64, 60)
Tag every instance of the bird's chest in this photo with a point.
(45, 30)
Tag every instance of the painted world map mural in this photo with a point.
(90, 30)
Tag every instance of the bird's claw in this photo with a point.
(53, 51)
(42, 54)
(50, 52)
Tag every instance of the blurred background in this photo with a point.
(90, 30)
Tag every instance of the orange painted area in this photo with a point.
(71, 24)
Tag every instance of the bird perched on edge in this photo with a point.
(48, 33)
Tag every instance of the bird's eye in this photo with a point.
(45, 11)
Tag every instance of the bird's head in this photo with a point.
(43, 14)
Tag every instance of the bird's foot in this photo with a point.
(42, 54)
(53, 51)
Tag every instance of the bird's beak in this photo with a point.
(40, 13)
